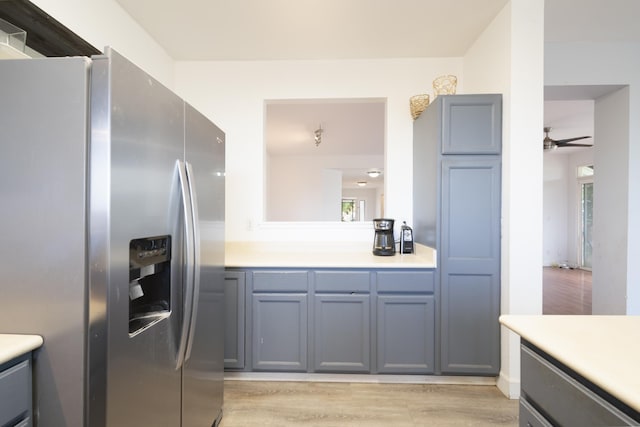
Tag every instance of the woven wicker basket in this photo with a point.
(445, 85)
(418, 103)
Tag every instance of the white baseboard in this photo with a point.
(508, 386)
(359, 378)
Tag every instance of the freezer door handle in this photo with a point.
(189, 267)
(196, 257)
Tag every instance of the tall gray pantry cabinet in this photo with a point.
(457, 203)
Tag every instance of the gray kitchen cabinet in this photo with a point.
(457, 202)
(553, 394)
(331, 320)
(15, 392)
(342, 333)
(341, 325)
(279, 321)
(406, 322)
(471, 124)
(234, 328)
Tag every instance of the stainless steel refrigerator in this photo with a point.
(112, 243)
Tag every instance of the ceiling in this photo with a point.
(339, 29)
(312, 29)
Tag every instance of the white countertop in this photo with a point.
(603, 349)
(322, 255)
(12, 346)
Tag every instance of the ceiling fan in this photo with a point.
(550, 144)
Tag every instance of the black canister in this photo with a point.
(406, 239)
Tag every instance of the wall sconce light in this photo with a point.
(361, 183)
(317, 135)
(373, 173)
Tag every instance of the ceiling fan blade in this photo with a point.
(564, 141)
(568, 144)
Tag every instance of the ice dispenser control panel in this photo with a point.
(149, 281)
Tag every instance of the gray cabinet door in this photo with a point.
(234, 316)
(471, 124)
(15, 391)
(342, 333)
(406, 334)
(279, 330)
(470, 265)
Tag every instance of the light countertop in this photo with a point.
(322, 255)
(603, 349)
(12, 345)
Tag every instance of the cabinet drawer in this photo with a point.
(406, 281)
(280, 281)
(343, 281)
(15, 392)
(564, 399)
(529, 417)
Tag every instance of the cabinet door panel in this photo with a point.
(472, 124)
(234, 295)
(470, 341)
(470, 265)
(280, 332)
(470, 212)
(406, 334)
(341, 333)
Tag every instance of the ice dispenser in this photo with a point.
(149, 281)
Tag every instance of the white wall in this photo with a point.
(301, 178)
(233, 94)
(610, 205)
(609, 64)
(104, 23)
(508, 58)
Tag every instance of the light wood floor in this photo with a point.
(288, 404)
(566, 291)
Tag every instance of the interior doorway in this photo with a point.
(584, 214)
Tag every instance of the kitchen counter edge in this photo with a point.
(321, 255)
(15, 345)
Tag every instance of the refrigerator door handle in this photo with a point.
(188, 271)
(196, 258)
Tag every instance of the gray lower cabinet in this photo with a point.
(280, 332)
(15, 392)
(554, 395)
(406, 334)
(341, 325)
(341, 333)
(279, 325)
(406, 322)
(331, 320)
(234, 316)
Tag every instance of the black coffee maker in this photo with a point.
(383, 241)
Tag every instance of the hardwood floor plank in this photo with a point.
(566, 291)
(260, 403)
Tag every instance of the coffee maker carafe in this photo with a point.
(383, 241)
